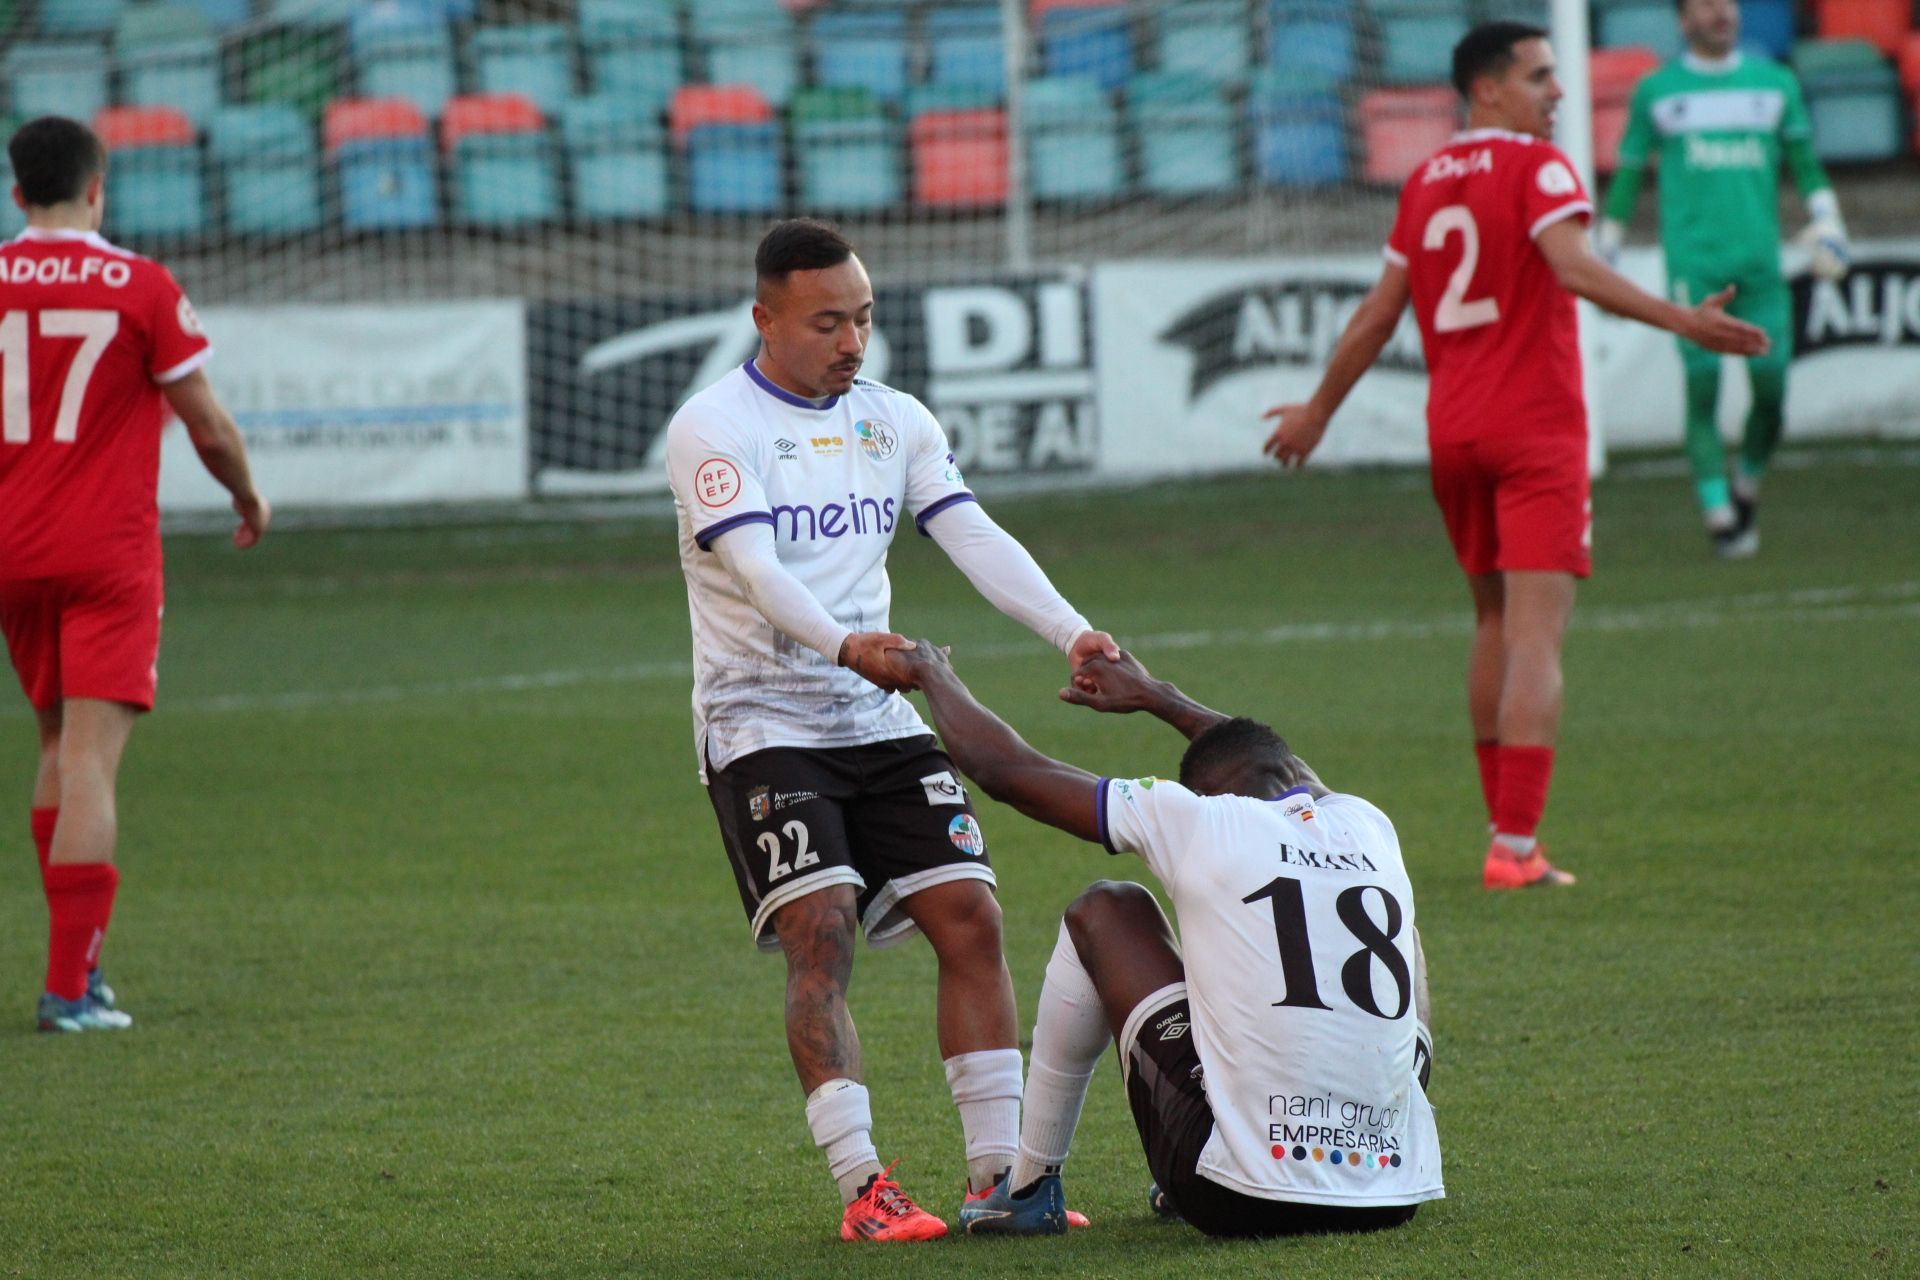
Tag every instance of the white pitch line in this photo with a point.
(1898, 601)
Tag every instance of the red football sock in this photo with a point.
(1487, 752)
(80, 900)
(1522, 790)
(43, 820)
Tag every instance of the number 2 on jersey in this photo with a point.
(1455, 311)
(1356, 975)
(95, 329)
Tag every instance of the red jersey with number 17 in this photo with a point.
(1500, 333)
(89, 334)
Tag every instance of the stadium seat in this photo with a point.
(861, 50)
(1884, 24)
(1205, 38)
(633, 51)
(847, 151)
(266, 168)
(167, 56)
(311, 14)
(964, 48)
(154, 184)
(501, 161)
(701, 104)
(286, 66)
(80, 17)
(1299, 131)
(734, 168)
(13, 219)
(1767, 26)
(1853, 98)
(534, 60)
(1091, 41)
(63, 78)
(1612, 75)
(1073, 140)
(763, 52)
(1417, 38)
(1400, 128)
(1648, 23)
(403, 51)
(1186, 134)
(959, 159)
(1910, 65)
(385, 162)
(617, 153)
(1312, 39)
(224, 15)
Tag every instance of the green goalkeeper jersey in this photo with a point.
(1718, 130)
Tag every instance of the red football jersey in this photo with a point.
(89, 334)
(1502, 341)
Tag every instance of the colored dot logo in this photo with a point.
(1279, 1153)
(1396, 1162)
(1319, 1154)
(1383, 1162)
(1299, 1153)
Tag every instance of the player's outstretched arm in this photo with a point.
(1003, 572)
(1301, 426)
(1564, 245)
(223, 452)
(1000, 761)
(1124, 686)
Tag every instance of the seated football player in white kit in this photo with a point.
(1276, 1058)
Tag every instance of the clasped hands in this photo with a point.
(894, 663)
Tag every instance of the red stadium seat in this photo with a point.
(1910, 65)
(354, 119)
(1613, 74)
(1400, 128)
(123, 127)
(1885, 23)
(959, 159)
(488, 113)
(697, 104)
(1039, 9)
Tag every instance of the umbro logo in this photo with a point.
(786, 449)
(1172, 1028)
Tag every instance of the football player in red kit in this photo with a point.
(95, 345)
(1490, 247)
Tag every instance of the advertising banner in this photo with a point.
(365, 405)
(1005, 364)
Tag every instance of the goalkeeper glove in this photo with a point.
(1825, 238)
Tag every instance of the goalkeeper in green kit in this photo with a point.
(1718, 120)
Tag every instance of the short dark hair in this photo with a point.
(799, 244)
(1487, 50)
(53, 159)
(1237, 742)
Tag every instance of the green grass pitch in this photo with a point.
(438, 970)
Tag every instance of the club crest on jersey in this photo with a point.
(758, 806)
(189, 322)
(877, 439)
(1555, 179)
(965, 834)
(1444, 166)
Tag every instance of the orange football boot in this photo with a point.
(883, 1212)
(1504, 870)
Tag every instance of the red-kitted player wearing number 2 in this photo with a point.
(95, 343)
(1490, 247)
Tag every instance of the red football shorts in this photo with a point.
(1516, 503)
(85, 635)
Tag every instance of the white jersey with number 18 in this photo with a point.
(1296, 924)
(834, 480)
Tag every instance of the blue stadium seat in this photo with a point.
(534, 60)
(311, 14)
(1092, 42)
(734, 168)
(1767, 25)
(12, 219)
(965, 48)
(1205, 37)
(1648, 23)
(1853, 99)
(1186, 132)
(266, 167)
(862, 51)
(167, 55)
(1417, 38)
(501, 161)
(756, 46)
(633, 50)
(1073, 140)
(403, 51)
(225, 15)
(156, 191)
(64, 78)
(617, 152)
(80, 17)
(1299, 132)
(1312, 39)
(847, 151)
(387, 184)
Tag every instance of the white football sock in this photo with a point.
(1519, 846)
(986, 1089)
(1721, 518)
(841, 1118)
(1745, 487)
(1069, 1035)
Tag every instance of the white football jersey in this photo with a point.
(835, 481)
(1296, 923)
